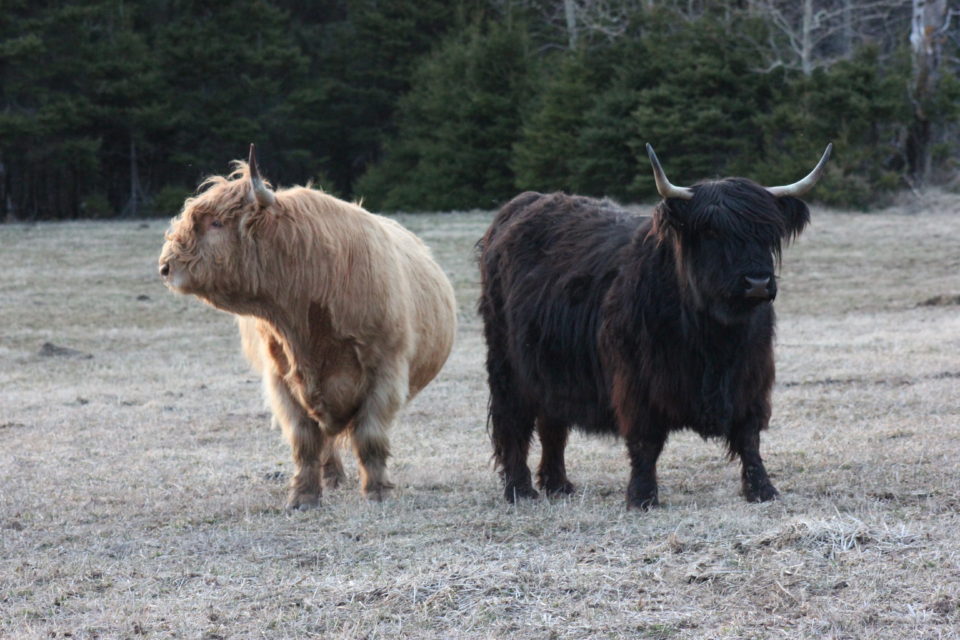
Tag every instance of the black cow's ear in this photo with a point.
(796, 215)
(676, 213)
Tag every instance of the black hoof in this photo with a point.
(642, 494)
(643, 504)
(555, 488)
(559, 490)
(765, 493)
(513, 493)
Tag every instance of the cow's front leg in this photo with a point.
(307, 443)
(644, 449)
(645, 432)
(552, 473)
(756, 485)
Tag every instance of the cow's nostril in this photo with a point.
(164, 270)
(757, 287)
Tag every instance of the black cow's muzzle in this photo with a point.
(763, 288)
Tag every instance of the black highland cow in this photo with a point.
(638, 326)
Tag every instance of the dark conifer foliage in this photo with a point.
(457, 125)
(119, 107)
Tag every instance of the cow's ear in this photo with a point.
(255, 220)
(796, 215)
(675, 213)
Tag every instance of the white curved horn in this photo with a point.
(260, 191)
(664, 188)
(799, 188)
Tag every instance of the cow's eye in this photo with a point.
(216, 224)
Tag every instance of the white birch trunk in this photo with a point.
(926, 41)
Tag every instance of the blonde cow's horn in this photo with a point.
(261, 192)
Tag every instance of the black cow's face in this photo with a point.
(728, 238)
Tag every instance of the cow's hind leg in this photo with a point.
(552, 473)
(307, 442)
(511, 429)
(511, 420)
(331, 468)
(369, 434)
(511, 415)
(755, 482)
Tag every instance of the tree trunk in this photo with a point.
(570, 13)
(131, 209)
(806, 39)
(926, 42)
(848, 34)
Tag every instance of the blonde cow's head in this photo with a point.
(211, 249)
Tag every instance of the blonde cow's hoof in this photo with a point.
(378, 492)
(333, 475)
(302, 501)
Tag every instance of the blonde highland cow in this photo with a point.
(344, 313)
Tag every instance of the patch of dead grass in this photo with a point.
(140, 488)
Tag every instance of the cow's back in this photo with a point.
(373, 298)
(547, 262)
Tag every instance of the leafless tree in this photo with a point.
(580, 20)
(607, 19)
(929, 29)
(808, 34)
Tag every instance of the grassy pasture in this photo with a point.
(141, 486)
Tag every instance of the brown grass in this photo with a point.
(141, 488)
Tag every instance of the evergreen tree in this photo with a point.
(699, 114)
(445, 104)
(231, 68)
(457, 125)
(855, 104)
(605, 161)
(544, 159)
(363, 53)
(62, 121)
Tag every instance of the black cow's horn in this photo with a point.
(664, 187)
(799, 188)
(261, 192)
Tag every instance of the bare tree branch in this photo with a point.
(808, 34)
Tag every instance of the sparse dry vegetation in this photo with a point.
(141, 486)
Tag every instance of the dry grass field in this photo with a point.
(141, 486)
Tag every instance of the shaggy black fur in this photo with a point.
(621, 324)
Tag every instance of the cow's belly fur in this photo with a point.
(329, 383)
(331, 397)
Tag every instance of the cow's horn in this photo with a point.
(797, 189)
(664, 187)
(261, 192)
